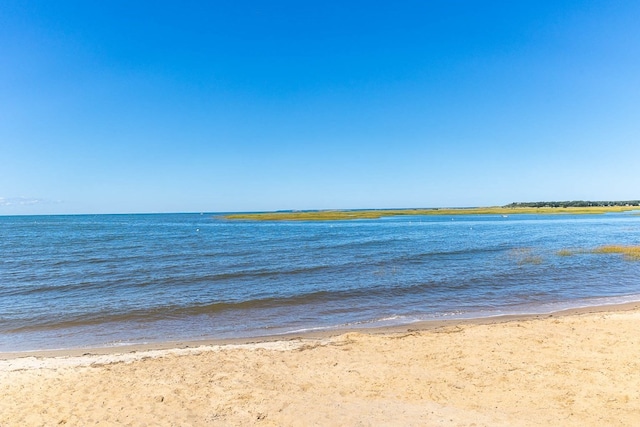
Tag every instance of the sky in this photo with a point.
(221, 106)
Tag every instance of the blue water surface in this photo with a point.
(102, 280)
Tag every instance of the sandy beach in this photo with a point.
(570, 369)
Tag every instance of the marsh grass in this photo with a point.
(524, 256)
(337, 215)
(565, 252)
(629, 252)
(533, 260)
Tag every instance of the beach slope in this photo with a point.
(570, 370)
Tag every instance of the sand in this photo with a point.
(579, 369)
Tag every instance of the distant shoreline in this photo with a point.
(513, 209)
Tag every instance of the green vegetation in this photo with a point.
(523, 256)
(512, 209)
(565, 252)
(629, 252)
(574, 204)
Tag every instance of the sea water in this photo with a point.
(106, 280)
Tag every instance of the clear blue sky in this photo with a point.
(185, 106)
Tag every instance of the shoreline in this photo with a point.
(317, 336)
(571, 368)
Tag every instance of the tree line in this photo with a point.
(572, 204)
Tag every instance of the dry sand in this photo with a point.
(562, 370)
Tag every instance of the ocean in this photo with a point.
(110, 280)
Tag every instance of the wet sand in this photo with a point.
(577, 368)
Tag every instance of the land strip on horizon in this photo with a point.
(579, 207)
